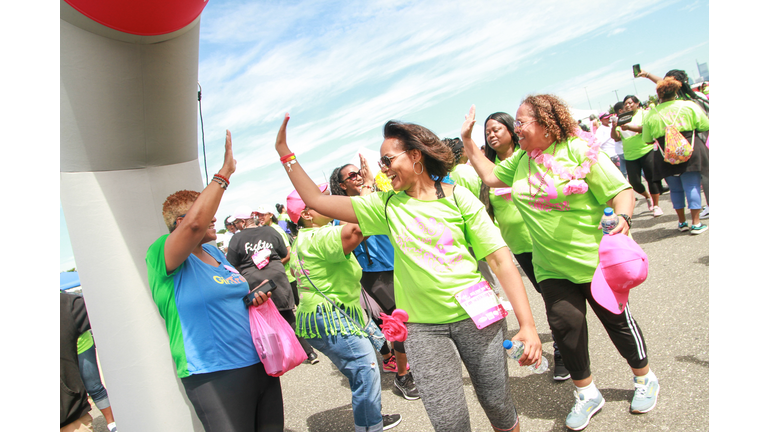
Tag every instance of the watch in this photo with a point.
(626, 218)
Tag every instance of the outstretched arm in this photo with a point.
(502, 265)
(649, 75)
(192, 227)
(480, 163)
(335, 206)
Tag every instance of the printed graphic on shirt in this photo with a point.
(430, 242)
(541, 192)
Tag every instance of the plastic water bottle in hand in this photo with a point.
(609, 221)
(515, 350)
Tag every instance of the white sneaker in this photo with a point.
(704, 213)
(657, 211)
(650, 204)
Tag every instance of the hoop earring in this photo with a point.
(414, 167)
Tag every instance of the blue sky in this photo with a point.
(342, 69)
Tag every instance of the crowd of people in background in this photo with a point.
(443, 215)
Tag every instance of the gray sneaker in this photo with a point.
(646, 394)
(583, 410)
(391, 420)
(407, 387)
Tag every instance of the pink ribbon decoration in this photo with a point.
(393, 326)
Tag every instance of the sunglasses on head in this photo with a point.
(386, 161)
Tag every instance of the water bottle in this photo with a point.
(515, 350)
(609, 221)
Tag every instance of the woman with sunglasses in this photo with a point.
(431, 226)
(377, 259)
(199, 295)
(561, 184)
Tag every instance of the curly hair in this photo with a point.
(667, 88)
(335, 181)
(437, 157)
(177, 204)
(553, 115)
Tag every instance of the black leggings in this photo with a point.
(381, 287)
(237, 400)
(644, 164)
(567, 315)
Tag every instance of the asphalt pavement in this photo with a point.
(671, 307)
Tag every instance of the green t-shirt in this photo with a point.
(634, 146)
(510, 221)
(84, 342)
(466, 176)
(287, 242)
(335, 274)
(690, 117)
(431, 241)
(564, 229)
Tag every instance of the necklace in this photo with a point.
(541, 180)
(575, 176)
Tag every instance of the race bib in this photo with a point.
(481, 304)
(261, 258)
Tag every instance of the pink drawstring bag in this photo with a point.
(275, 341)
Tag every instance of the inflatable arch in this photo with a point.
(128, 140)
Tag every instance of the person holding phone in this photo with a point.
(258, 252)
(431, 226)
(328, 278)
(199, 295)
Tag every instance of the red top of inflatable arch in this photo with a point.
(141, 17)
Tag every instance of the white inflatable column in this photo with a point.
(128, 140)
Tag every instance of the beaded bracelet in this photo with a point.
(220, 182)
(226, 180)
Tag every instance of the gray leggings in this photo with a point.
(436, 367)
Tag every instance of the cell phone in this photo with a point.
(265, 287)
(636, 70)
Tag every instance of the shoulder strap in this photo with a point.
(386, 217)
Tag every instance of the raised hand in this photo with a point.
(281, 144)
(229, 160)
(469, 123)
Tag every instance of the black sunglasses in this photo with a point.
(386, 161)
(352, 175)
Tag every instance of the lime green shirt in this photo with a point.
(510, 220)
(287, 264)
(466, 176)
(634, 146)
(564, 228)
(84, 342)
(690, 117)
(431, 241)
(335, 274)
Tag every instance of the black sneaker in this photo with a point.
(561, 373)
(407, 387)
(312, 358)
(391, 420)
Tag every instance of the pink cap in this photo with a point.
(295, 205)
(623, 265)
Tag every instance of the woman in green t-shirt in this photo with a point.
(501, 143)
(431, 226)
(561, 183)
(684, 179)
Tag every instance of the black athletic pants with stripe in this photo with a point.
(566, 304)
